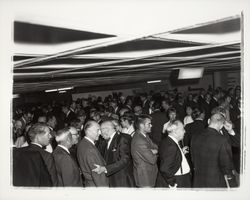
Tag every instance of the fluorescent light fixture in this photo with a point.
(155, 81)
(52, 90)
(62, 91)
(190, 73)
(68, 88)
(16, 96)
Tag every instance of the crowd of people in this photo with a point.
(168, 139)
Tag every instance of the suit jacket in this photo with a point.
(206, 106)
(29, 169)
(119, 161)
(88, 155)
(213, 103)
(68, 173)
(212, 159)
(144, 161)
(48, 160)
(145, 107)
(158, 120)
(69, 117)
(192, 130)
(170, 162)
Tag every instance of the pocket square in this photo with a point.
(113, 149)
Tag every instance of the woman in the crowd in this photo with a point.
(188, 118)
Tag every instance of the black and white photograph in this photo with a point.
(124, 99)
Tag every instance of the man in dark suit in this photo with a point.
(158, 120)
(89, 156)
(196, 127)
(69, 115)
(68, 172)
(145, 103)
(116, 152)
(174, 167)
(215, 100)
(206, 106)
(39, 135)
(144, 153)
(211, 155)
(29, 169)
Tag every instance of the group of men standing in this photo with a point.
(123, 160)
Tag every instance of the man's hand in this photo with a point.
(173, 187)
(229, 127)
(185, 150)
(154, 151)
(99, 169)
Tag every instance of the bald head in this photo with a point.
(92, 130)
(64, 137)
(176, 130)
(217, 121)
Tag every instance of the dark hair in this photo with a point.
(75, 123)
(141, 120)
(128, 116)
(50, 116)
(197, 111)
(156, 105)
(172, 109)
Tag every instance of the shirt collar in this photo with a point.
(68, 113)
(173, 138)
(131, 129)
(89, 140)
(111, 137)
(37, 144)
(143, 134)
(24, 119)
(63, 147)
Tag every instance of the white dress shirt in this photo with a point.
(110, 140)
(184, 169)
(130, 131)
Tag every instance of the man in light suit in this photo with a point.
(144, 152)
(116, 150)
(174, 167)
(68, 172)
(89, 156)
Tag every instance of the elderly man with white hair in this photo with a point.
(68, 173)
(174, 167)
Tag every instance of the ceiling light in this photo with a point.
(190, 73)
(68, 88)
(62, 91)
(155, 81)
(16, 95)
(59, 89)
(52, 90)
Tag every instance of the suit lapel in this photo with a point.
(112, 146)
(94, 147)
